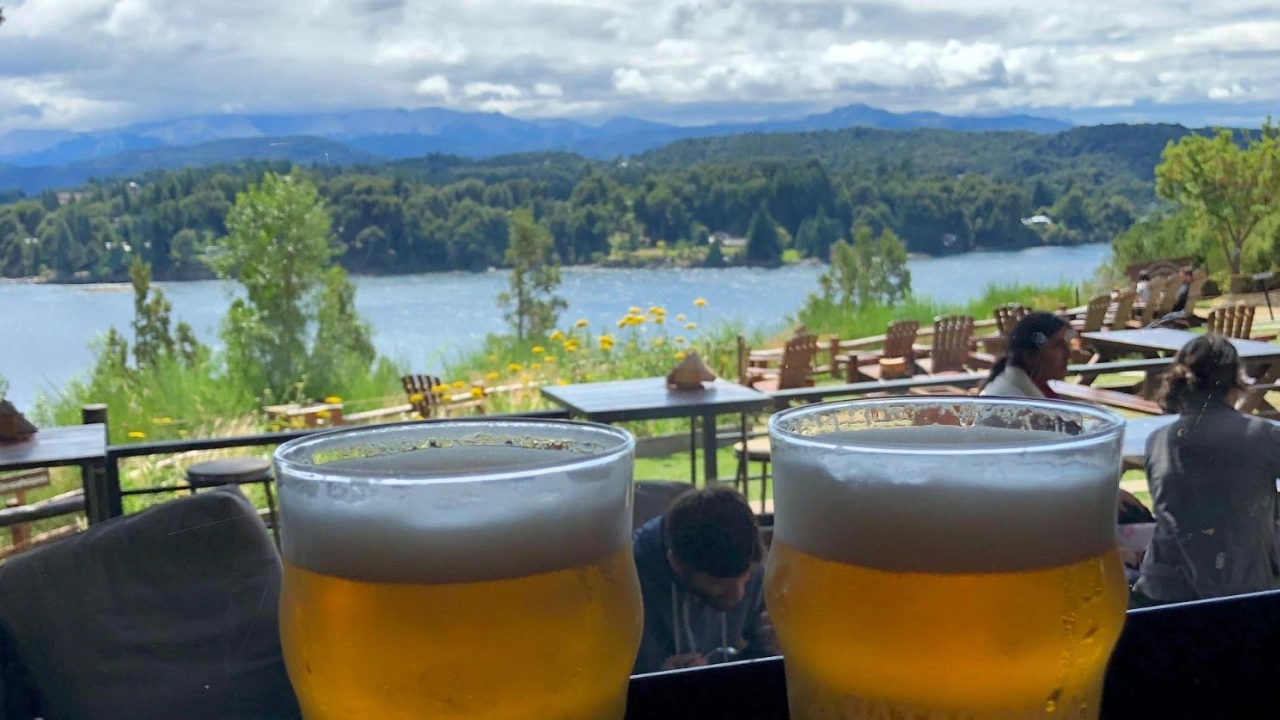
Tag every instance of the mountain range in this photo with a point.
(36, 160)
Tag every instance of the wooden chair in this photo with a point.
(1168, 296)
(795, 369)
(1095, 314)
(899, 345)
(1233, 321)
(950, 352)
(1155, 292)
(1007, 317)
(428, 402)
(1124, 309)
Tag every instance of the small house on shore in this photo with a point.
(725, 240)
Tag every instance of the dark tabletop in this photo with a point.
(650, 399)
(1168, 340)
(56, 446)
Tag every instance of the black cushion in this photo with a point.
(169, 613)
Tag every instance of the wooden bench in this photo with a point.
(1113, 398)
(17, 514)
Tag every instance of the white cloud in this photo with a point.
(88, 63)
(436, 85)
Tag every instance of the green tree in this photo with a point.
(1232, 190)
(764, 244)
(278, 247)
(151, 336)
(839, 283)
(873, 269)
(715, 256)
(531, 305)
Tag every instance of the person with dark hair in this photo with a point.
(1184, 290)
(1212, 476)
(1038, 350)
(702, 583)
(1143, 288)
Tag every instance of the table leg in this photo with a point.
(693, 451)
(1267, 294)
(710, 471)
(1254, 400)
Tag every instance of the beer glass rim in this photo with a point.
(296, 457)
(1109, 425)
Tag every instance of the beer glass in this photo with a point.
(472, 569)
(945, 557)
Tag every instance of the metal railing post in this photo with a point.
(101, 500)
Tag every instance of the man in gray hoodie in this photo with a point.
(703, 584)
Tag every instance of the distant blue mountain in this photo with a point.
(410, 133)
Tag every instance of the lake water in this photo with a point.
(46, 330)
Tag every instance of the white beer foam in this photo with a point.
(901, 511)
(448, 532)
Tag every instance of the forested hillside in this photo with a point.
(940, 191)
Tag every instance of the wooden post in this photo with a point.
(742, 361)
(100, 501)
(833, 349)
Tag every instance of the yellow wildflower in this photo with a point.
(492, 376)
(635, 319)
(562, 381)
(606, 343)
(416, 398)
(182, 432)
(549, 359)
(535, 366)
(538, 350)
(655, 310)
(323, 414)
(633, 310)
(515, 367)
(680, 340)
(477, 392)
(658, 319)
(700, 302)
(680, 355)
(333, 400)
(680, 317)
(581, 323)
(691, 326)
(162, 421)
(556, 336)
(136, 435)
(622, 323)
(440, 389)
(659, 342)
(459, 385)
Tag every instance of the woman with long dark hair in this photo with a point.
(1038, 350)
(1212, 475)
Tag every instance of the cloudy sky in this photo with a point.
(85, 64)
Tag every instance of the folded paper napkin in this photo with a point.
(13, 426)
(690, 374)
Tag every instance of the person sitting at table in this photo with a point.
(1184, 290)
(1212, 475)
(703, 584)
(1037, 351)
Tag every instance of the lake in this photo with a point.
(46, 330)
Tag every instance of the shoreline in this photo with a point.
(616, 265)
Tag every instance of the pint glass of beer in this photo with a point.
(461, 569)
(948, 558)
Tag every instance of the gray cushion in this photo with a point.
(169, 613)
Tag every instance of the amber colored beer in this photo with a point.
(943, 572)
(553, 645)
(865, 643)
(468, 570)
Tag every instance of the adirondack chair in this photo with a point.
(899, 345)
(1095, 314)
(1006, 317)
(794, 370)
(1124, 309)
(950, 352)
(1233, 321)
(428, 402)
(1156, 294)
(1168, 296)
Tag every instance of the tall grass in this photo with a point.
(850, 321)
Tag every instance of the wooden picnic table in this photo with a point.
(1260, 359)
(651, 399)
